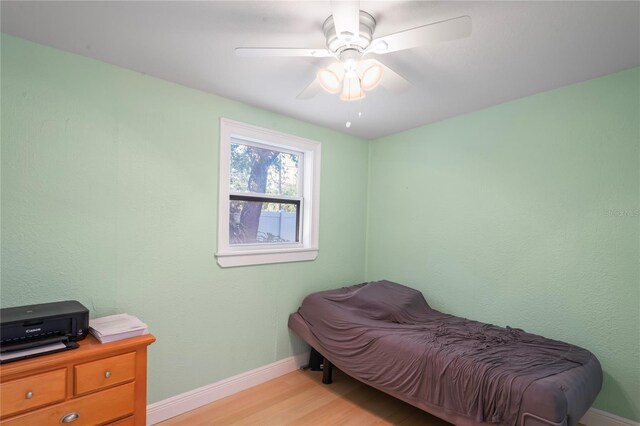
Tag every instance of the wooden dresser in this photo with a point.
(96, 384)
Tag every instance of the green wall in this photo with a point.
(109, 196)
(524, 214)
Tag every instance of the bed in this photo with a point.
(465, 372)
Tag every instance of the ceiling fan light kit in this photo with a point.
(350, 78)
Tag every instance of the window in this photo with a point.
(268, 198)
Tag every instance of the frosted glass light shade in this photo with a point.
(371, 76)
(329, 80)
(351, 89)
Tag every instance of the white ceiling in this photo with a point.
(516, 49)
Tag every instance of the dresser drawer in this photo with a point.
(103, 373)
(129, 421)
(99, 408)
(33, 391)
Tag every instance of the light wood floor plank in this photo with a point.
(300, 399)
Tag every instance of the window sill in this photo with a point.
(245, 258)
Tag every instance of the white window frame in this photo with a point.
(258, 254)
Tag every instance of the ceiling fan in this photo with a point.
(349, 39)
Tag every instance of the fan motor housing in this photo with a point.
(360, 42)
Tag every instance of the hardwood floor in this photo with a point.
(300, 398)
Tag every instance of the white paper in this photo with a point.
(119, 336)
(116, 324)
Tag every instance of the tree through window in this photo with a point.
(264, 198)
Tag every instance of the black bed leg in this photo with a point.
(315, 360)
(327, 370)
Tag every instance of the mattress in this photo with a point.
(465, 372)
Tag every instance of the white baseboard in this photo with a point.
(595, 417)
(176, 405)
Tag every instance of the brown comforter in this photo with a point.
(386, 334)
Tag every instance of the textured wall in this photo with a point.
(109, 186)
(524, 214)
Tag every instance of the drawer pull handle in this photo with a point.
(29, 395)
(71, 417)
(107, 374)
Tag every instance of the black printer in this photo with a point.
(33, 330)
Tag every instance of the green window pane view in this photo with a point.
(263, 171)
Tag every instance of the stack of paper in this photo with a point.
(117, 327)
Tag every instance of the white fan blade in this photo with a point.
(346, 18)
(256, 52)
(392, 81)
(450, 29)
(310, 91)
